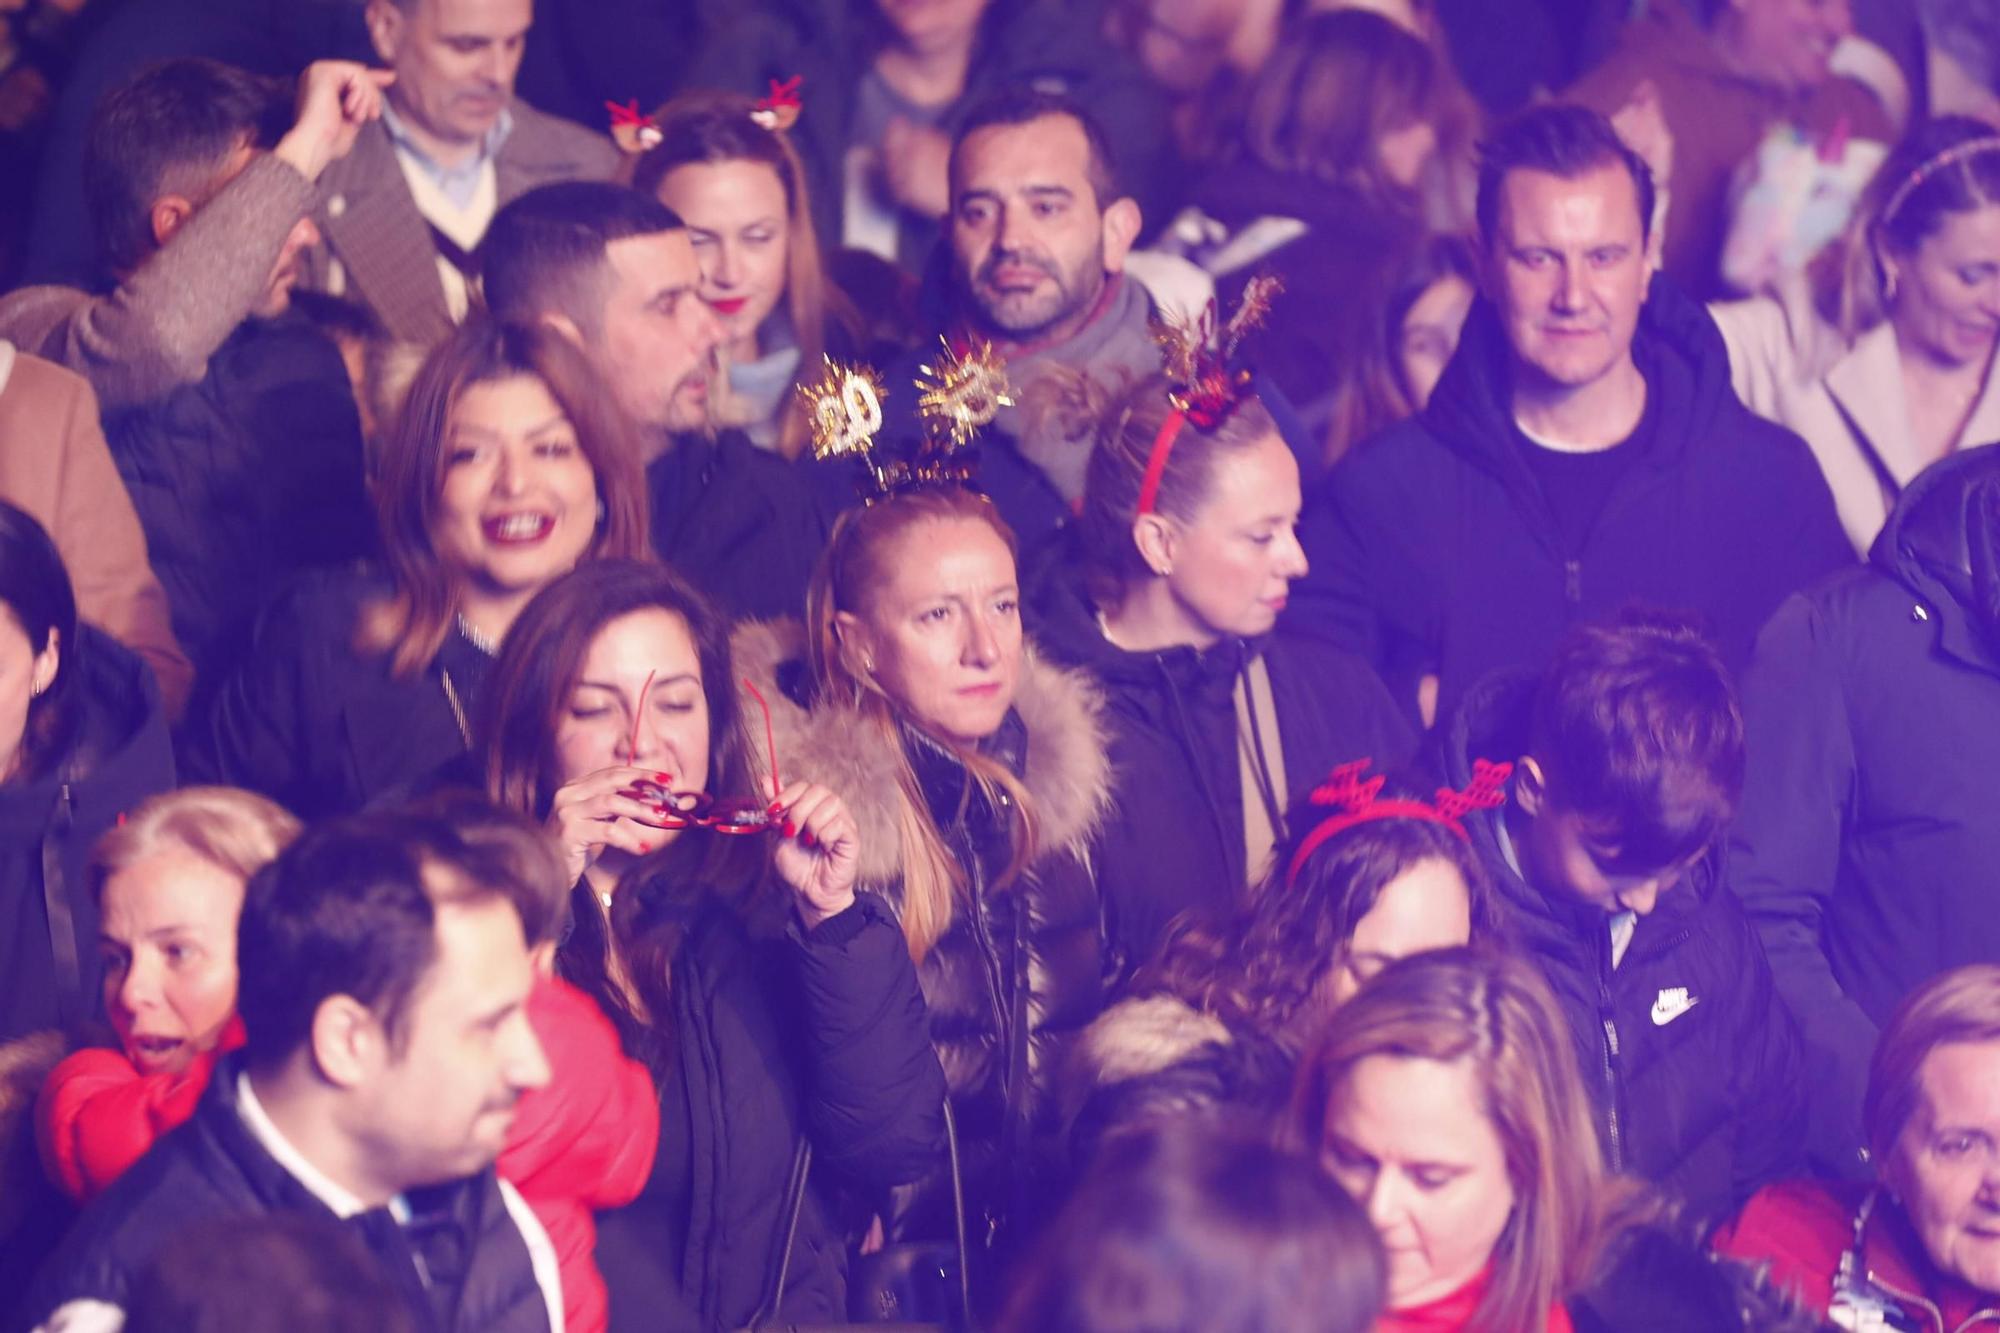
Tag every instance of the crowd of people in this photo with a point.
(1147, 665)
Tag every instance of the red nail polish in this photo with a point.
(807, 838)
(791, 829)
(667, 778)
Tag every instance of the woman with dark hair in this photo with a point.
(1218, 718)
(728, 171)
(507, 466)
(977, 773)
(1222, 1013)
(82, 740)
(1323, 188)
(721, 931)
(1881, 354)
(1445, 1097)
(1204, 1228)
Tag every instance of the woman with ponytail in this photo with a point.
(976, 774)
(1172, 596)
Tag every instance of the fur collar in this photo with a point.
(1068, 775)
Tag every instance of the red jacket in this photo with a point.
(584, 1142)
(98, 1114)
(1802, 1228)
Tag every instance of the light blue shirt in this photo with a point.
(459, 183)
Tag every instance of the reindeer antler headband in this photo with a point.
(1358, 800)
(1206, 391)
(956, 397)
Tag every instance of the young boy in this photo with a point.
(1626, 760)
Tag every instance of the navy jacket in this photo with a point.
(776, 1039)
(1687, 1052)
(1433, 548)
(1174, 838)
(745, 525)
(1868, 851)
(321, 727)
(460, 1263)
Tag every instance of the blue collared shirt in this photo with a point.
(459, 183)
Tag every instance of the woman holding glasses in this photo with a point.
(717, 922)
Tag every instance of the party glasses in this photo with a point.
(728, 815)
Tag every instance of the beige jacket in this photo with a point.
(54, 464)
(1791, 366)
(158, 329)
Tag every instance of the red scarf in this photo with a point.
(1448, 1314)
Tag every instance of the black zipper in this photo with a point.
(1614, 1146)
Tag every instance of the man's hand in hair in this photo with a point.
(336, 98)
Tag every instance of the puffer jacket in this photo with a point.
(1691, 1059)
(1018, 974)
(214, 1168)
(1174, 839)
(1867, 851)
(120, 755)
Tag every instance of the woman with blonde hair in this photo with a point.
(1445, 1097)
(726, 169)
(977, 774)
(1880, 355)
(168, 883)
(507, 466)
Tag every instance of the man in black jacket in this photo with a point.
(1627, 759)
(383, 982)
(1868, 853)
(1584, 449)
(615, 272)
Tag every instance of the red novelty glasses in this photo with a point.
(695, 809)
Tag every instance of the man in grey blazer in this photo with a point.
(401, 215)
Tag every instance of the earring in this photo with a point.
(868, 665)
(600, 512)
(1889, 287)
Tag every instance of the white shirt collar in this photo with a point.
(343, 1203)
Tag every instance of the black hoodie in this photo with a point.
(1868, 851)
(1173, 839)
(1432, 545)
(1690, 1058)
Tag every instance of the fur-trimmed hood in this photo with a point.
(1067, 773)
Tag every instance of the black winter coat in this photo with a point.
(321, 727)
(118, 756)
(777, 1039)
(745, 525)
(461, 1267)
(1020, 972)
(1434, 549)
(1868, 849)
(1692, 1061)
(244, 480)
(1174, 838)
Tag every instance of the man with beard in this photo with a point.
(1039, 236)
(230, 417)
(615, 272)
(383, 983)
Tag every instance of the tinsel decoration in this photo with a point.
(961, 394)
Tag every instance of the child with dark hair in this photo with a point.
(279, 1274)
(1623, 764)
(1203, 1227)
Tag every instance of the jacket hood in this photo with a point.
(1942, 542)
(1677, 346)
(1067, 773)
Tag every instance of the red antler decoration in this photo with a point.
(780, 110)
(631, 129)
(1357, 800)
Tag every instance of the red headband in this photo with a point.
(1156, 461)
(1205, 391)
(1359, 802)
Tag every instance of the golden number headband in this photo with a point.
(958, 396)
